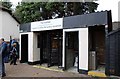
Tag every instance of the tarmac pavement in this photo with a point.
(25, 70)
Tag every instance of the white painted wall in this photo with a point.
(30, 47)
(10, 27)
(20, 47)
(63, 51)
(83, 47)
(119, 11)
(33, 51)
(1, 23)
(36, 50)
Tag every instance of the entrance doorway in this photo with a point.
(97, 48)
(24, 48)
(51, 48)
(71, 51)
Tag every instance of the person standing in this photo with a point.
(12, 41)
(0, 58)
(3, 50)
(13, 55)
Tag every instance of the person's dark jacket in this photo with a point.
(4, 49)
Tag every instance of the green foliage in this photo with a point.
(27, 12)
(6, 4)
(36, 11)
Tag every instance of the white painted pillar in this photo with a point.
(63, 51)
(83, 49)
(20, 47)
(30, 47)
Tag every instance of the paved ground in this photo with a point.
(25, 70)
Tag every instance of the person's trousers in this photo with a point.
(0, 66)
(3, 67)
(13, 61)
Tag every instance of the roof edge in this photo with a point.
(10, 12)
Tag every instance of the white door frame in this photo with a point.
(83, 47)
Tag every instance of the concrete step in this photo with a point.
(97, 74)
(54, 68)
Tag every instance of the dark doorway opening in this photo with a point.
(97, 48)
(51, 48)
(24, 48)
(71, 51)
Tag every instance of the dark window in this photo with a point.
(38, 41)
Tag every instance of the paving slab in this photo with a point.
(25, 70)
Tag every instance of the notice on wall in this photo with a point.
(47, 24)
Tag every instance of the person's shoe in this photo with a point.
(3, 75)
(10, 63)
(15, 64)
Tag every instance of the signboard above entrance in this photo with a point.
(47, 25)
